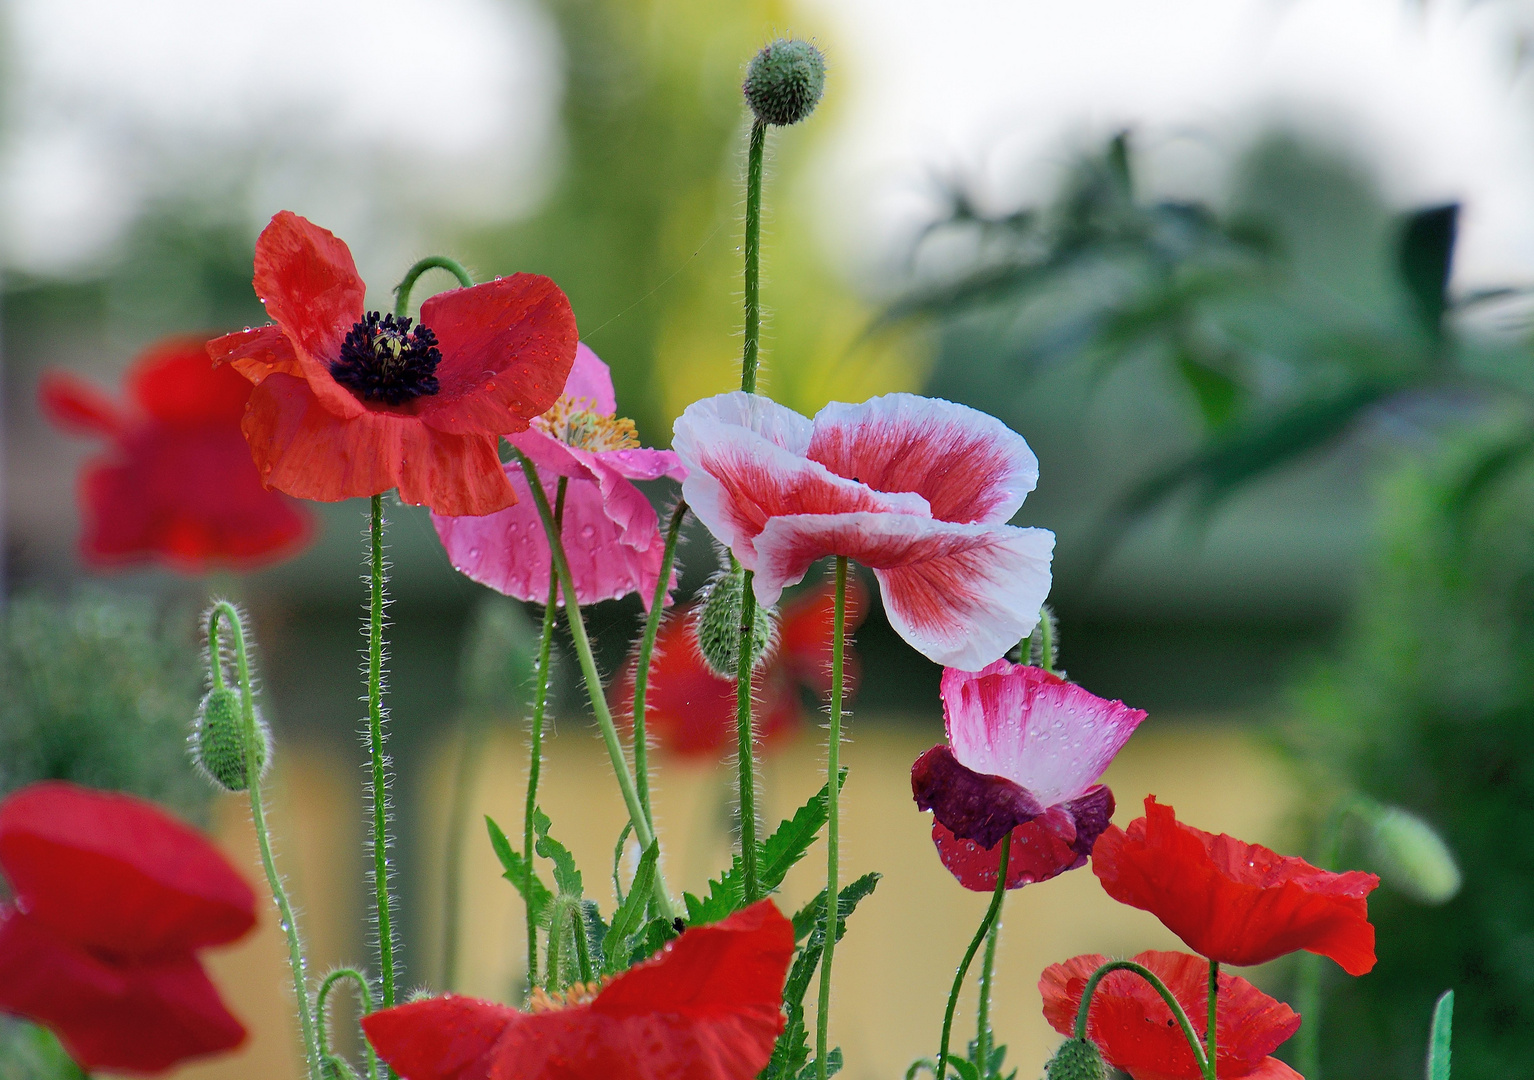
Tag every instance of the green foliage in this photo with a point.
(628, 920)
(29, 1052)
(1440, 1036)
(516, 871)
(991, 1068)
(567, 879)
(499, 655)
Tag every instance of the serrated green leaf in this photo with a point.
(516, 871)
(566, 877)
(629, 918)
(628, 827)
(833, 1065)
(793, 837)
(1439, 1037)
(649, 941)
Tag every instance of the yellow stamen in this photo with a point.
(576, 422)
(578, 993)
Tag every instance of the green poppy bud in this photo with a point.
(1411, 856)
(1076, 1059)
(218, 740)
(785, 81)
(717, 626)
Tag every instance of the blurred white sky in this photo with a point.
(410, 112)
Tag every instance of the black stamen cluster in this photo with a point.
(382, 359)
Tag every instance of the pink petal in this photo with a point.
(961, 595)
(969, 466)
(743, 470)
(591, 380)
(611, 537)
(1039, 731)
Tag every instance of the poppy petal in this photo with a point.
(961, 595)
(175, 382)
(76, 405)
(972, 806)
(507, 348)
(309, 283)
(1058, 840)
(301, 448)
(256, 353)
(116, 873)
(445, 1038)
(591, 380)
(968, 465)
(805, 631)
(1044, 734)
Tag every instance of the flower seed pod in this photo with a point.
(717, 626)
(1412, 857)
(785, 81)
(218, 740)
(1076, 1059)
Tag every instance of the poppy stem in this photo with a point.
(991, 914)
(364, 995)
(225, 611)
(431, 262)
(535, 744)
(1211, 1059)
(379, 787)
(833, 816)
(745, 737)
(646, 651)
(753, 246)
(983, 1011)
(1046, 640)
(642, 831)
(1157, 985)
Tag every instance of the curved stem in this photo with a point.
(753, 247)
(535, 743)
(364, 994)
(745, 739)
(379, 787)
(1156, 985)
(642, 831)
(296, 963)
(646, 651)
(983, 1012)
(969, 955)
(1211, 1058)
(431, 262)
(833, 816)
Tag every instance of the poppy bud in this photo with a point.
(1412, 857)
(1076, 1059)
(717, 626)
(218, 739)
(784, 82)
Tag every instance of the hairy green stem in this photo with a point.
(646, 651)
(745, 738)
(991, 914)
(431, 262)
(1046, 642)
(833, 815)
(296, 963)
(753, 247)
(364, 995)
(642, 831)
(379, 788)
(983, 1012)
(1211, 1060)
(582, 943)
(1157, 985)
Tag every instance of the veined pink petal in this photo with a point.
(591, 380)
(1037, 730)
(968, 465)
(778, 424)
(961, 595)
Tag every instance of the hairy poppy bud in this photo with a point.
(717, 626)
(1412, 857)
(784, 82)
(218, 740)
(1076, 1059)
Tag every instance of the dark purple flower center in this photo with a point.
(383, 359)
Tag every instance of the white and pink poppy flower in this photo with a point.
(611, 534)
(917, 489)
(1024, 753)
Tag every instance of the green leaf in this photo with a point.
(1438, 1039)
(1424, 261)
(516, 871)
(656, 933)
(566, 877)
(629, 917)
(833, 1065)
(628, 827)
(967, 1070)
(1217, 393)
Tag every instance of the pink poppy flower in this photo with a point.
(1025, 750)
(917, 489)
(611, 534)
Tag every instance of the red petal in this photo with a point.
(134, 1016)
(507, 348)
(306, 278)
(78, 406)
(804, 634)
(118, 874)
(1235, 902)
(303, 449)
(1136, 1031)
(256, 353)
(176, 382)
(1058, 840)
(446, 1038)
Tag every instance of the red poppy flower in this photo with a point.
(706, 1008)
(1135, 1031)
(1235, 902)
(690, 711)
(112, 899)
(177, 483)
(350, 402)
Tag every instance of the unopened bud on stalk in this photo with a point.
(784, 82)
(1076, 1059)
(218, 740)
(1412, 857)
(717, 626)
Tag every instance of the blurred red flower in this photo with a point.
(1235, 902)
(176, 483)
(351, 403)
(112, 899)
(706, 1008)
(690, 711)
(1135, 1031)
